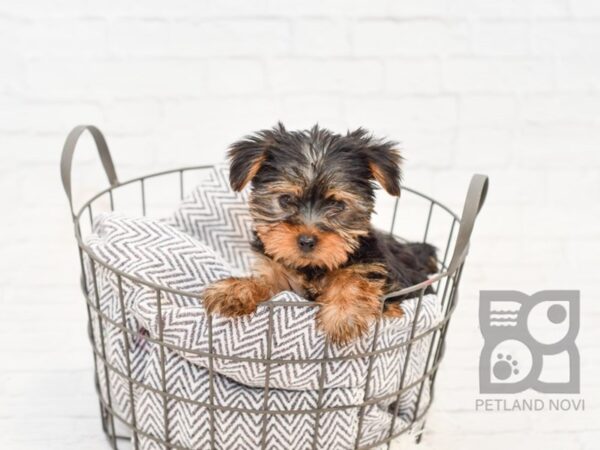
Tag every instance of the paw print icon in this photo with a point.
(529, 342)
(505, 367)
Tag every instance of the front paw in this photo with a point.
(345, 319)
(350, 303)
(234, 297)
(340, 325)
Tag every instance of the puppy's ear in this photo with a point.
(247, 156)
(383, 158)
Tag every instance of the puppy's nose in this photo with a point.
(307, 242)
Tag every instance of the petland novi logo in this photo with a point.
(529, 344)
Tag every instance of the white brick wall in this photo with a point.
(510, 88)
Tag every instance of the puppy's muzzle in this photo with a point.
(307, 242)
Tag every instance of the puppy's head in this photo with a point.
(313, 191)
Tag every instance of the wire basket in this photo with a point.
(122, 431)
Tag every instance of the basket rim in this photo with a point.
(158, 287)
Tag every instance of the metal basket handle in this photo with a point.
(66, 159)
(474, 201)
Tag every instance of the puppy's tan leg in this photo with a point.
(234, 297)
(350, 300)
(393, 310)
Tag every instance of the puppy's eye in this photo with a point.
(338, 205)
(285, 200)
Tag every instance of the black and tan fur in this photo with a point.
(311, 202)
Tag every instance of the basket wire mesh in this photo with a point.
(120, 429)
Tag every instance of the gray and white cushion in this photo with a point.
(218, 217)
(187, 252)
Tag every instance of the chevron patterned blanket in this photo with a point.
(207, 239)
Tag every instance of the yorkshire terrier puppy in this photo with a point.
(311, 202)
